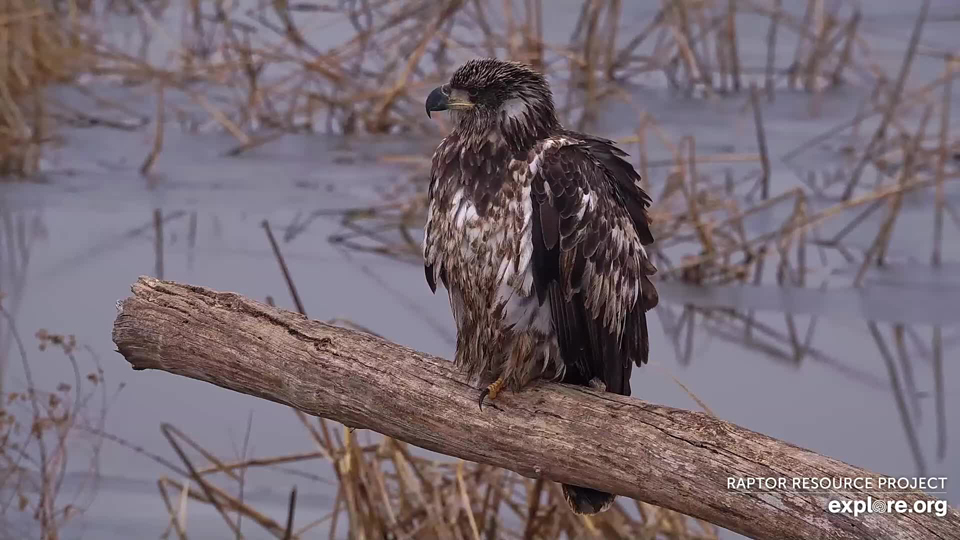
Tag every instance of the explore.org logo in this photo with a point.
(890, 506)
(855, 495)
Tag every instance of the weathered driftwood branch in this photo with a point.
(669, 457)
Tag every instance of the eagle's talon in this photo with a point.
(483, 394)
(492, 390)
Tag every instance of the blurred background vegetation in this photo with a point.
(800, 156)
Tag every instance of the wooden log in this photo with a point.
(673, 458)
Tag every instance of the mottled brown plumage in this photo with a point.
(537, 233)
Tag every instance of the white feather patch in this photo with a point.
(585, 199)
(457, 197)
(426, 233)
(505, 272)
(524, 312)
(588, 200)
(537, 159)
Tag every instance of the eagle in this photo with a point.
(537, 233)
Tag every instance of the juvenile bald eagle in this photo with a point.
(537, 233)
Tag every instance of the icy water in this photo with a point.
(88, 230)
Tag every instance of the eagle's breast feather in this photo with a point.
(516, 252)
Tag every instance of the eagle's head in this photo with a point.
(487, 94)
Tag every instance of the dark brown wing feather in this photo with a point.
(584, 270)
(626, 181)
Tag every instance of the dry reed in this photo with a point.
(39, 432)
(40, 46)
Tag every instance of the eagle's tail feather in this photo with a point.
(585, 500)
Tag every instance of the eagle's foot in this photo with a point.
(598, 384)
(493, 390)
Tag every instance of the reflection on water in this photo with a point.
(19, 232)
(775, 338)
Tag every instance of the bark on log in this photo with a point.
(673, 458)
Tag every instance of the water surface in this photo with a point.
(89, 226)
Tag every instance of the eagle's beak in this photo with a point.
(437, 101)
(441, 99)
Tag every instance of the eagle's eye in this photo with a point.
(473, 93)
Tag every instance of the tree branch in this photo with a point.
(673, 458)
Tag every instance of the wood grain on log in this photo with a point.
(670, 457)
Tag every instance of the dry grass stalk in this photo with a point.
(942, 157)
(761, 142)
(39, 47)
(254, 72)
(894, 101)
(772, 50)
(38, 433)
(159, 121)
(389, 490)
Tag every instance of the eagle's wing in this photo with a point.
(589, 227)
